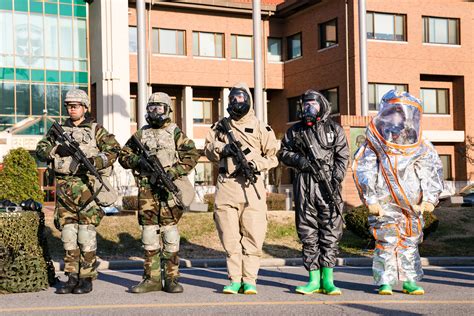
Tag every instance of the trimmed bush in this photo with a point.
(209, 199)
(357, 222)
(19, 177)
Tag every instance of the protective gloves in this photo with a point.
(63, 151)
(424, 207)
(172, 174)
(304, 165)
(375, 209)
(227, 151)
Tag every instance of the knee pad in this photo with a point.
(170, 235)
(87, 238)
(69, 236)
(150, 237)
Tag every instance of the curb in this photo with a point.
(271, 262)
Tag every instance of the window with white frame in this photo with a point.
(377, 90)
(441, 30)
(435, 101)
(208, 44)
(447, 171)
(202, 112)
(203, 174)
(132, 39)
(386, 26)
(328, 34)
(332, 95)
(170, 42)
(294, 46)
(241, 47)
(274, 49)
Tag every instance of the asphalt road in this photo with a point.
(449, 291)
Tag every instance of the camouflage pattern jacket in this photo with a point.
(107, 146)
(176, 152)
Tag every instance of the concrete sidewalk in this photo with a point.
(273, 262)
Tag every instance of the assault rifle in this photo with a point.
(62, 137)
(320, 175)
(158, 172)
(243, 166)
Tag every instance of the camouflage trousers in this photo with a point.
(158, 217)
(72, 197)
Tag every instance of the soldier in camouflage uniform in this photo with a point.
(77, 214)
(158, 213)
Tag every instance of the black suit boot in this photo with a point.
(69, 286)
(84, 286)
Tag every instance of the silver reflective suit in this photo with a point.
(397, 169)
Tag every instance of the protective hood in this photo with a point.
(397, 125)
(323, 105)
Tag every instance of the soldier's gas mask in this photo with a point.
(157, 114)
(311, 107)
(239, 103)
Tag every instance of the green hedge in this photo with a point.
(357, 222)
(19, 177)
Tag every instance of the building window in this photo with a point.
(447, 171)
(377, 90)
(294, 109)
(386, 26)
(294, 46)
(208, 44)
(241, 46)
(42, 56)
(169, 42)
(203, 174)
(435, 101)
(132, 39)
(328, 34)
(274, 49)
(441, 31)
(332, 95)
(202, 113)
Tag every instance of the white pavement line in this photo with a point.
(220, 304)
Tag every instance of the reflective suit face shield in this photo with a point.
(239, 103)
(398, 123)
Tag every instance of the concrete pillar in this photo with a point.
(224, 102)
(265, 106)
(187, 119)
(109, 65)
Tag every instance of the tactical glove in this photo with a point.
(227, 151)
(63, 151)
(375, 209)
(426, 207)
(172, 174)
(143, 165)
(303, 164)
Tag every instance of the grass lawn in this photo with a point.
(119, 236)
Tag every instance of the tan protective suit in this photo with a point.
(240, 216)
(398, 171)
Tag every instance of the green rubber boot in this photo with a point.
(328, 282)
(410, 287)
(314, 284)
(249, 288)
(385, 289)
(233, 288)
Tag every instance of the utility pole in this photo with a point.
(257, 59)
(142, 68)
(363, 59)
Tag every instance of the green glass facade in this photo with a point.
(43, 54)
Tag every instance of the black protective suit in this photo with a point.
(319, 236)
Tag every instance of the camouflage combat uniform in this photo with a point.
(158, 213)
(75, 204)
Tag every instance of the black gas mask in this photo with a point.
(157, 114)
(239, 103)
(310, 108)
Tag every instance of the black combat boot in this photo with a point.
(69, 285)
(84, 286)
(172, 286)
